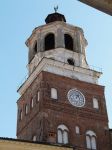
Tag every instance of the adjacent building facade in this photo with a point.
(13, 144)
(102, 5)
(61, 101)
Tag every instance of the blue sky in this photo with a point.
(18, 19)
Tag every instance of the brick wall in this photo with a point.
(48, 113)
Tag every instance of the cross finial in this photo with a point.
(56, 8)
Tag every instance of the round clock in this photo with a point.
(76, 98)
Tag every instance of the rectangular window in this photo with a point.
(54, 93)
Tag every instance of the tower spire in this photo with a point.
(55, 8)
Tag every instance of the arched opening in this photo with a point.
(35, 48)
(32, 103)
(68, 42)
(62, 134)
(77, 130)
(54, 93)
(34, 138)
(65, 137)
(91, 140)
(88, 141)
(95, 103)
(26, 109)
(49, 41)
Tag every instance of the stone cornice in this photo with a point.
(62, 69)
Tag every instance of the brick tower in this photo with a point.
(61, 100)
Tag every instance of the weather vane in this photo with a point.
(55, 8)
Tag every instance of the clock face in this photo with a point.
(76, 98)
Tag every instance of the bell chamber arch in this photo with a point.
(68, 41)
(49, 41)
(56, 35)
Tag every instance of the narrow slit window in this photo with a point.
(26, 109)
(32, 103)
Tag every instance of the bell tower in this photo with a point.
(61, 100)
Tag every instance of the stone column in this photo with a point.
(75, 42)
(30, 54)
(60, 39)
(40, 42)
(78, 42)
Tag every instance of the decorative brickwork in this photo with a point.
(48, 113)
